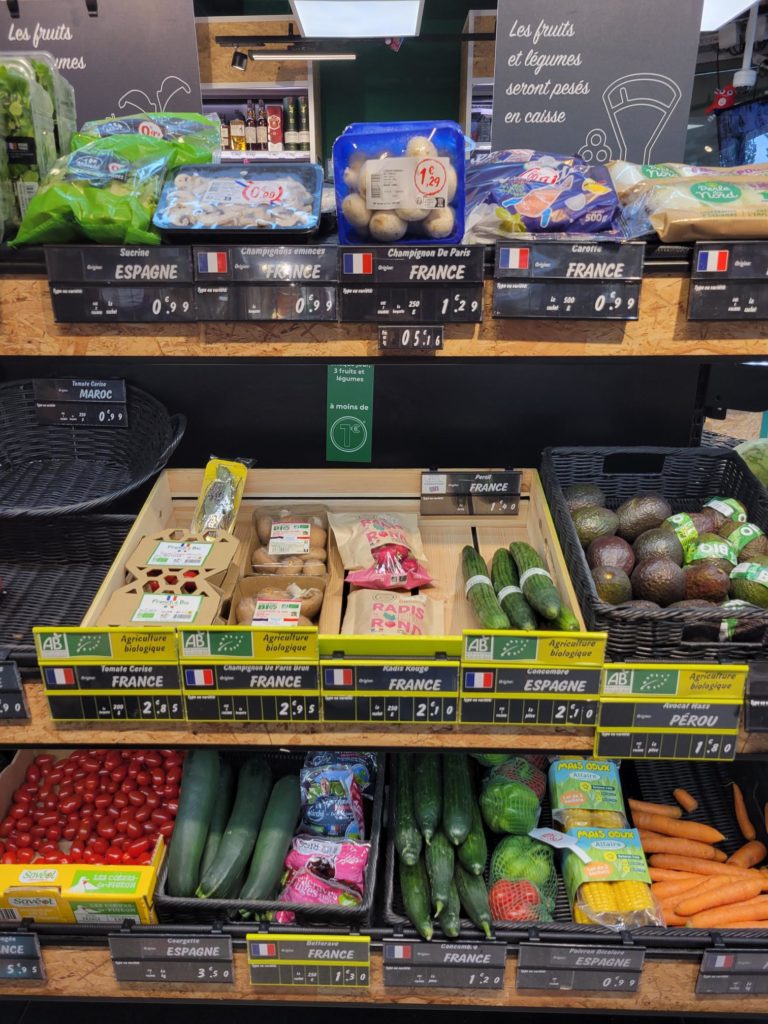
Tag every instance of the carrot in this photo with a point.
(703, 867)
(720, 896)
(671, 919)
(664, 890)
(687, 802)
(666, 809)
(678, 829)
(746, 826)
(665, 875)
(751, 910)
(653, 842)
(749, 854)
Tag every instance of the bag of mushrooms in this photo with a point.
(290, 542)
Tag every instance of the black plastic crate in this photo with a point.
(686, 477)
(181, 910)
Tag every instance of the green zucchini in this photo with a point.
(506, 584)
(474, 898)
(565, 621)
(407, 835)
(439, 858)
(538, 589)
(220, 815)
(450, 918)
(277, 828)
(254, 783)
(480, 591)
(414, 886)
(427, 792)
(199, 790)
(473, 852)
(458, 797)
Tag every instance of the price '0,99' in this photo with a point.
(169, 306)
(613, 302)
(311, 304)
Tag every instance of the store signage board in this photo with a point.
(271, 264)
(13, 704)
(118, 264)
(188, 959)
(136, 304)
(407, 338)
(81, 402)
(397, 692)
(612, 87)
(349, 417)
(732, 972)
(20, 957)
(162, 74)
(412, 304)
(249, 303)
(309, 961)
(468, 965)
(465, 493)
(10, 678)
(529, 695)
(579, 968)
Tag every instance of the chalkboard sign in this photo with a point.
(607, 81)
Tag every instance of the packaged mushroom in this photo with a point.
(272, 602)
(290, 542)
(400, 182)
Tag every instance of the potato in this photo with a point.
(263, 528)
(262, 561)
(244, 611)
(290, 566)
(311, 602)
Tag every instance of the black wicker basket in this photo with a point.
(50, 571)
(181, 910)
(686, 477)
(50, 470)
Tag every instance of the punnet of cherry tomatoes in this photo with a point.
(104, 806)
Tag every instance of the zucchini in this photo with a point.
(407, 835)
(427, 793)
(220, 815)
(199, 790)
(415, 889)
(473, 852)
(479, 591)
(506, 585)
(565, 621)
(438, 858)
(277, 828)
(474, 898)
(537, 586)
(458, 797)
(254, 782)
(450, 918)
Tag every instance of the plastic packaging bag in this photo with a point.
(29, 131)
(630, 179)
(336, 860)
(290, 541)
(370, 611)
(220, 496)
(509, 805)
(523, 880)
(306, 886)
(189, 138)
(755, 454)
(331, 802)
(586, 793)
(382, 551)
(60, 93)
(363, 764)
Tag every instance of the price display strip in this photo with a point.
(250, 675)
(733, 972)
(684, 682)
(81, 403)
(407, 693)
(668, 730)
(20, 957)
(482, 494)
(405, 338)
(729, 281)
(420, 284)
(579, 968)
(756, 704)
(473, 965)
(13, 704)
(173, 959)
(568, 280)
(110, 674)
(529, 695)
(131, 304)
(309, 961)
(118, 264)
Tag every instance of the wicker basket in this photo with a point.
(182, 910)
(56, 470)
(686, 477)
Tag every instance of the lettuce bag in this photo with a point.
(29, 133)
(105, 192)
(188, 138)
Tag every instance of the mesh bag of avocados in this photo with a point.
(189, 138)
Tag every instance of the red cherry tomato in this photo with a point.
(173, 774)
(134, 829)
(102, 801)
(143, 813)
(71, 804)
(106, 828)
(25, 855)
(24, 840)
(33, 775)
(7, 826)
(9, 858)
(137, 798)
(113, 855)
(19, 811)
(153, 758)
(172, 806)
(83, 832)
(170, 792)
(44, 760)
(69, 832)
(119, 773)
(158, 778)
(53, 834)
(23, 824)
(166, 830)
(55, 776)
(128, 785)
(137, 847)
(76, 851)
(119, 840)
(100, 845)
(37, 832)
(150, 828)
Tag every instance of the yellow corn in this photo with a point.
(593, 819)
(612, 898)
(633, 896)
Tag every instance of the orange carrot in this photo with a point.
(746, 826)
(668, 810)
(720, 896)
(678, 829)
(665, 875)
(687, 802)
(664, 890)
(671, 919)
(751, 910)
(749, 854)
(653, 842)
(702, 867)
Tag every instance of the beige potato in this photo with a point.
(290, 566)
(311, 602)
(262, 561)
(263, 528)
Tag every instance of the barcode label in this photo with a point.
(7, 914)
(25, 193)
(375, 186)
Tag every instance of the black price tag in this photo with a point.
(728, 261)
(251, 693)
(20, 957)
(483, 494)
(406, 338)
(138, 304)
(471, 965)
(414, 265)
(187, 959)
(577, 300)
(402, 693)
(13, 707)
(579, 968)
(411, 304)
(668, 746)
(756, 704)
(239, 302)
(81, 402)
(113, 693)
(309, 961)
(276, 264)
(572, 261)
(118, 264)
(728, 300)
(733, 972)
(10, 678)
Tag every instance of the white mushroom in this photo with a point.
(386, 226)
(355, 211)
(420, 145)
(440, 223)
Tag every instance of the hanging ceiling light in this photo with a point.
(358, 19)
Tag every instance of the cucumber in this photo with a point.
(277, 828)
(427, 793)
(458, 797)
(450, 918)
(220, 815)
(407, 835)
(480, 594)
(539, 590)
(473, 852)
(254, 782)
(474, 898)
(438, 858)
(199, 790)
(414, 886)
(565, 621)
(506, 584)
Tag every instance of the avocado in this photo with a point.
(704, 521)
(648, 606)
(751, 584)
(715, 550)
(611, 551)
(642, 513)
(612, 585)
(705, 581)
(726, 510)
(693, 602)
(583, 495)
(746, 539)
(593, 522)
(658, 543)
(660, 580)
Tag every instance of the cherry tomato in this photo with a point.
(76, 850)
(120, 800)
(119, 773)
(33, 775)
(143, 813)
(170, 792)
(173, 775)
(161, 816)
(87, 811)
(113, 855)
(69, 832)
(51, 803)
(12, 842)
(91, 764)
(170, 756)
(23, 824)
(172, 806)
(133, 769)
(71, 804)
(83, 833)
(119, 840)
(166, 830)
(92, 782)
(106, 829)
(25, 855)
(137, 798)
(24, 840)
(152, 799)
(128, 785)
(22, 796)
(89, 795)
(158, 778)
(48, 848)
(103, 800)
(55, 776)
(137, 846)
(113, 812)
(37, 832)
(7, 826)
(100, 845)
(149, 828)
(20, 811)
(111, 787)
(9, 858)
(113, 760)
(55, 858)
(44, 760)
(153, 758)
(54, 834)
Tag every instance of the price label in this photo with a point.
(756, 706)
(118, 264)
(401, 338)
(20, 957)
(668, 746)
(409, 694)
(10, 678)
(187, 959)
(13, 707)
(733, 972)
(81, 403)
(457, 493)
(579, 968)
(415, 304)
(81, 414)
(597, 300)
(469, 965)
(728, 300)
(122, 304)
(275, 264)
(309, 961)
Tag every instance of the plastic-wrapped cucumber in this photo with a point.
(506, 584)
(479, 591)
(538, 588)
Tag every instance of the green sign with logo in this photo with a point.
(349, 422)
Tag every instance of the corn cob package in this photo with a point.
(586, 794)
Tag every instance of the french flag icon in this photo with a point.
(263, 949)
(358, 262)
(199, 676)
(339, 677)
(212, 263)
(478, 680)
(514, 259)
(398, 952)
(713, 261)
(60, 676)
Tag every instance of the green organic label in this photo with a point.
(728, 626)
(716, 192)
(349, 422)
(123, 882)
(686, 533)
(752, 572)
(74, 645)
(728, 507)
(200, 643)
(708, 549)
(744, 535)
(655, 172)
